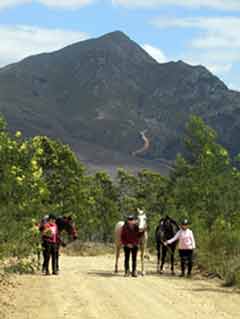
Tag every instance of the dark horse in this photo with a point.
(64, 224)
(166, 229)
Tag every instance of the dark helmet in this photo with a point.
(184, 222)
(52, 216)
(45, 218)
(130, 217)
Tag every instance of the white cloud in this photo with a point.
(215, 45)
(70, 4)
(156, 53)
(219, 68)
(21, 41)
(216, 67)
(234, 87)
(215, 4)
(67, 4)
(220, 32)
(75, 4)
(12, 3)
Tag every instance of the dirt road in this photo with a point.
(87, 289)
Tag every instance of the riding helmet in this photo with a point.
(51, 216)
(185, 222)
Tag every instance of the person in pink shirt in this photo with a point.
(186, 245)
(50, 237)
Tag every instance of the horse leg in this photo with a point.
(142, 248)
(57, 257)
(38, 258)
(172, 260)
(164, 252)
(158, 256)
(45, 256)
(117, 255)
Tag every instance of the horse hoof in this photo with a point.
(143, 274)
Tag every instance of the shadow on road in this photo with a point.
(105, 274)
(214, 290)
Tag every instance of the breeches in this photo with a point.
(186, 257)
(50, 251)
(133, 251)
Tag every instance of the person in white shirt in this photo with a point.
(186, 245)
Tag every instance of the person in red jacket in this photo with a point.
(130, 242)
(50, 238)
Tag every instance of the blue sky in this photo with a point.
(196, 31)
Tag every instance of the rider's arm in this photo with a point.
(173, 239)
(193, 241)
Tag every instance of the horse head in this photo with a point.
(167, 223)
(142, 220)
(166, 228)
(66, 224)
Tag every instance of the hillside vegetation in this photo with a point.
(40, 175)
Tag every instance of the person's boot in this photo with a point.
(134, 274)
(43, 270)
(182, 269)
(55, 272)
(172, 271)
(189, 273)
(127, 273)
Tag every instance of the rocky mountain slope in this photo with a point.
(101, 93)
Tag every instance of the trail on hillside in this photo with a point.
(87, 289)
(145, 145)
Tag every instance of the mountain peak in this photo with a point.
(116, 35)
(124, 46)
(116, 45)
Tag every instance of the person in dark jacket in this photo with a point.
(130, 242)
